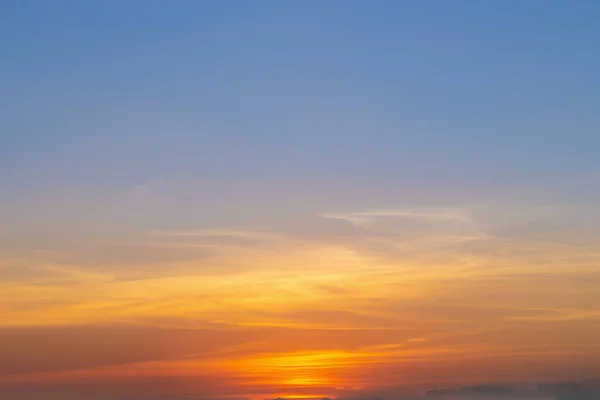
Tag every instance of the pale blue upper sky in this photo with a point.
(114, 95)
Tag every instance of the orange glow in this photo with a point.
(296, 370)
(301, 322)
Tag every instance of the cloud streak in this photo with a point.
(364, 217)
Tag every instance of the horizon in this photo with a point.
(257, 199)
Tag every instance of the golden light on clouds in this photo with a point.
(279, 314)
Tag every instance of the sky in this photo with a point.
(251, 199)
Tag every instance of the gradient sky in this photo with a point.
(251, 199)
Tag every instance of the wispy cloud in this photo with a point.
(149, 187)
(234, 232)
(365, 217)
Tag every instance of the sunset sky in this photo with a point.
(252, 199)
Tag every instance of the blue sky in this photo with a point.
(306, 107)
(121, 93)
